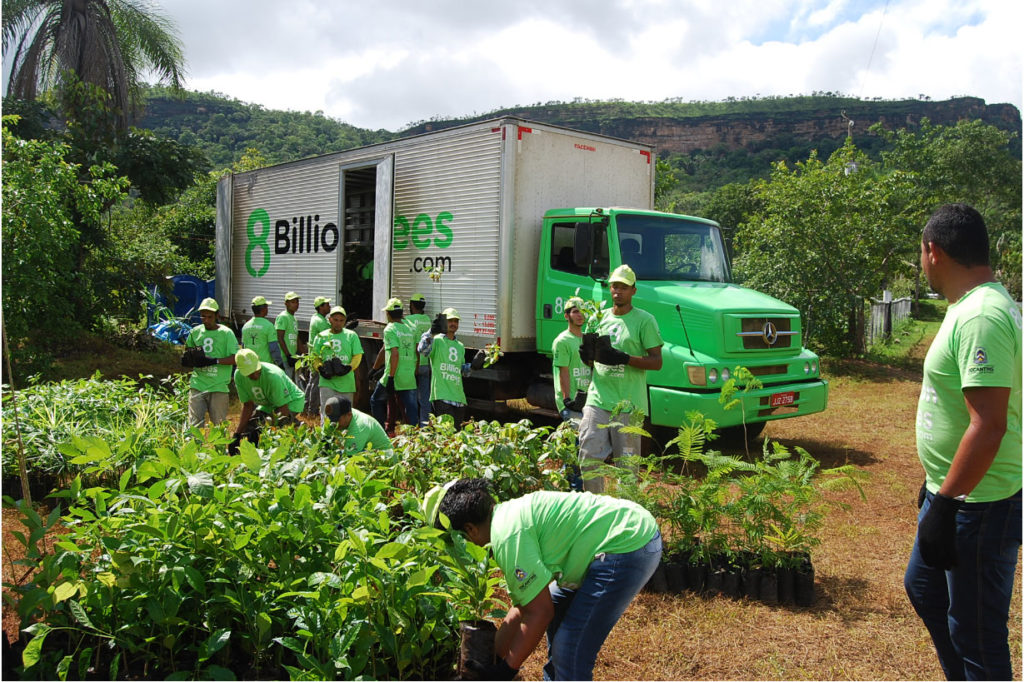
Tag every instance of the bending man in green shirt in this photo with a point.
(572, 562)
(360, 428)
(264, 387)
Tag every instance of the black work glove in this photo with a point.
(587, 348)
(389, 385)
(233, 445)
(193, 357)
(606, 355)
(352, 323)
(577, 403)
(921, 493)
(291, 360)
(206, 362)
(936, 534)
(327, 370)
(439, 325)
(491, 671)
(478, 360)
(375, 374)
(343, 370)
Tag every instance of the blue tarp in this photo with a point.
(189, 292)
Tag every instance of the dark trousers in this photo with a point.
(458, 412)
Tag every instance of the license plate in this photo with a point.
(782, 399)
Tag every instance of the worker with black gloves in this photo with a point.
(341, 352)
(210, 351)
(628, 345)
(288, 334)
(446, 356)
(399, 377)
(570, 374)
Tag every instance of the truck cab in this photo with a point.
(709, 325)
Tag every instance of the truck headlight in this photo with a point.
(807, 368)
(712, 375)
(725, 374)
(697, 375)
(814, 366)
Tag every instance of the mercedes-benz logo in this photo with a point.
(769, 333)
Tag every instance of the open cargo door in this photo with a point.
(364, 268)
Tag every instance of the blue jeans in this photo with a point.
(584, 616)
(966, 608)
(379, 404)
(423, 393)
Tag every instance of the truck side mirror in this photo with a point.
(584, 244)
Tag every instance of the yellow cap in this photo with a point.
(393, 304)
(451, 314)
(336, 310)
(247, 361)
(623, 274)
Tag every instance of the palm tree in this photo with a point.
(107, 43)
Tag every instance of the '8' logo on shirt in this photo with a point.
(453, 354)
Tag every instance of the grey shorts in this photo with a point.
(201, 402)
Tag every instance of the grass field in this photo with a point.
(861, 626)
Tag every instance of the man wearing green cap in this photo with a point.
(317, 323)
(288, 334)
(628, 345)
(360, 428)
(570, 374)
(399, 367)
(341, 352)
(420, 323)
(264, 387)
(210, 350)
(258, 333)
(447, 356)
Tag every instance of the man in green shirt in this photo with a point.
(572, 562)
(360, 428)
(446, 356)
(288, 334)
(962, 566)
(420, 324)
(341, 352)
(210, 349)
(317, 323)
(258, 333)
(570, 374)
(629, 344)
(400, 361)
(264, 387)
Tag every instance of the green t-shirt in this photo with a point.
(272, 390)
(550, 535)
(399, 335)
(632, 333)
(344, 345)
(446, 359)
(363, 430)
(218, 343)
(286, 321)
(257, 334)
(419, 324)
(977, 345)
(317, 324)
(565, 352)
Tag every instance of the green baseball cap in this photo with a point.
(419, 298)
(573, 302)
(209, 304)
(451, 314)
(320, 300)
(336, 310)
(393, 304)
(247, 361)
(291, 296)
(260, 300)
(623, 274)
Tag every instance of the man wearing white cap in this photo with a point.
(628, 345)
(317, 323)
(210, 350)
(399, 367)
(447, 356)
(288, 333)
(341, 352)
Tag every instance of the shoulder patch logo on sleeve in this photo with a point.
(980, 356)
(520, 573)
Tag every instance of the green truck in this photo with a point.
(504, 220)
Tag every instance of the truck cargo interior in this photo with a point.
(359, 197)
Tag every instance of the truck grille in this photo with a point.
(760, 333)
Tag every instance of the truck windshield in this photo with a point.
(667, 248)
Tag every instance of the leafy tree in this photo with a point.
(46, 204)
(971, 162)
(826, 237)
(106, 43)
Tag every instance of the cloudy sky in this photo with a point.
(387, 63)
